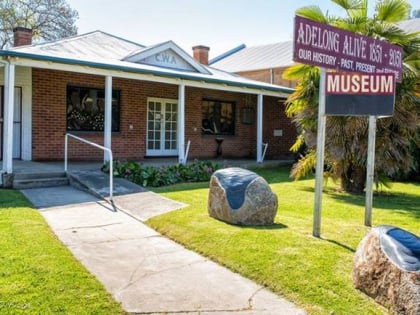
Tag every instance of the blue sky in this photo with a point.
(219, 24)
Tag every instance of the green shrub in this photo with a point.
(198, 171)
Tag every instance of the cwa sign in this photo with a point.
(333, 48)
(359, 94)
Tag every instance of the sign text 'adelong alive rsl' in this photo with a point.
(330, 47)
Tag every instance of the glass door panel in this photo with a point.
(162, 127)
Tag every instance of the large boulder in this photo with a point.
(387, 268)
(242, 197)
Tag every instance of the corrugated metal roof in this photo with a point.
(95, 44)
(410, 26)
(102, 50)
(258, 57)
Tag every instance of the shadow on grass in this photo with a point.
(275, 226)
(403, 202)
(340, 244)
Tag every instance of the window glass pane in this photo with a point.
(86, 109)
(218, 117)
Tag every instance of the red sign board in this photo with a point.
(358, 94)
(325, 46)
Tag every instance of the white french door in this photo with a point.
(17, 123)
(162, 127)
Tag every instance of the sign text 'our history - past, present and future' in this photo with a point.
(330, 47)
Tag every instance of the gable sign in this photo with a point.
(329, 47)
(167, 55)
(167, 59)
(359, 94)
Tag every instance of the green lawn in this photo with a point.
(38, 275)
(314, 273)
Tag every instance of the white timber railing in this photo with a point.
(111, 171)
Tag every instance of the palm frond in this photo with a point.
(300, 141)
(304, 166)
(295, 72)
(313, 13)
(349, 4)
(392, 10)
(355, 24)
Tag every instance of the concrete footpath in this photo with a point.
(144, 271)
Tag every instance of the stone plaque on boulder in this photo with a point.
(387, 268)
(242, 197)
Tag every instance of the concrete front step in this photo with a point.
(38, 180)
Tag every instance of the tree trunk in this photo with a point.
(353, 179)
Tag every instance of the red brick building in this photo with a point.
(138, 101)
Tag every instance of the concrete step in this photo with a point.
(35, 175)
(38, 180)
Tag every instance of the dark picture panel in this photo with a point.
(86, 109)
(218, 117)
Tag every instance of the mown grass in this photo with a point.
(314, 273)
(38, 275)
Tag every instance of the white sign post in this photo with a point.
(320, 144)
(370, 171)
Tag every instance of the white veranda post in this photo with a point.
(108, 116)
(181, 124)
(9, 95)
(259, 127)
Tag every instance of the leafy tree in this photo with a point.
(49, 19)
(346, 137)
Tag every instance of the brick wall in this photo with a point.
(49, 120)
(274, 118)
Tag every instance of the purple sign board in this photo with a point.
(325, 46)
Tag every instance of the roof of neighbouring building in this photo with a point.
(257, 57)
(410, 26)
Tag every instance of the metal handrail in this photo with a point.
(265, 145)
(186, 152)
(111, 171)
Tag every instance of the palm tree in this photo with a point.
(346, 137)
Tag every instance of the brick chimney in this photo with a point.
(22, 36)
(201, 54)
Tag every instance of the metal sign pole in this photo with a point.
(319, 155)
(370, 170)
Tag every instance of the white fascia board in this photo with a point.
(143, 77)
